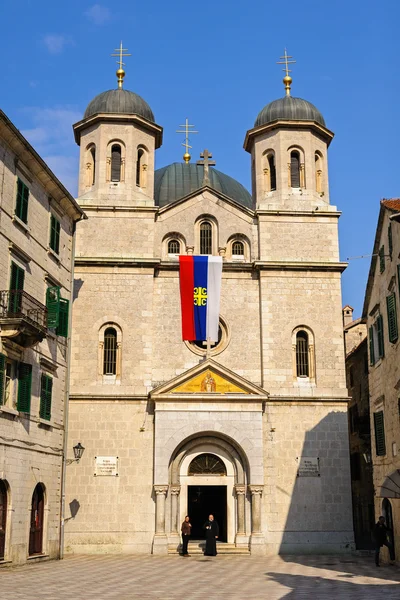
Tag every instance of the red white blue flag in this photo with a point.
(200, 284)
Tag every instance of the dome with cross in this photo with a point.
(181, 179)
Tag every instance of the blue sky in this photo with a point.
(215, 63)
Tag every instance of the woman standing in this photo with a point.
(186, 529)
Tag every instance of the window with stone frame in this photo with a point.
(205, 238)
(110, 352)
(174, 247)
(302, 359)
(8, 381)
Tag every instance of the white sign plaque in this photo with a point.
(106, 465)
(308, 467)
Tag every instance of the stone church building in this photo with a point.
(253, 430)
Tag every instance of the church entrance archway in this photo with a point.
(205, 500)
(207, 472)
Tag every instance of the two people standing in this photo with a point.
(211, 530)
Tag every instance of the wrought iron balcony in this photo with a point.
(22, 318)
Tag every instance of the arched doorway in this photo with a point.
(209, 475)
(37, 521)
(203, 500)
(3, 517)
(387, 513)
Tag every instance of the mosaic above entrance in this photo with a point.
(208, 382)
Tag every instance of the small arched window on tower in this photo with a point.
(115, 162)
(91, 165)
(110, 352)
(295, 169)
(205, 238)
(302, 358)
(141, 167)
(174, 247)
(319, 184)
(269, 171)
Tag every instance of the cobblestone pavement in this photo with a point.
(175, 578)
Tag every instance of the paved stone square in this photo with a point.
(174, 578)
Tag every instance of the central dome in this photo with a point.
(289, 109)
(181, 179)
(119, 101)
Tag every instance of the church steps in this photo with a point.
(197, 549)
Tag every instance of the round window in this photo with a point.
(200, 347)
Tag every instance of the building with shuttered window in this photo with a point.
(38, 218)
(381, 314)
(255, 432)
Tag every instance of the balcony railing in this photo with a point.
(17, 304)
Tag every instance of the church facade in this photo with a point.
(254, 429)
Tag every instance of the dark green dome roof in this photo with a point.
(119, 101)
(181, 179)
(289, 109)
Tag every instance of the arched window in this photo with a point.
(115, 162)
(272, 172)
(139, 165)
(37, 518)
(295, 169)
(318, 173)
(110, 352)
(237, 249)
(93, 155)
(174, 247)
(205, 238)
(207, 464)
(302, 359)
(3, 517)
(90, 165)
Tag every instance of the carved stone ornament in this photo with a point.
(175, 490)
(161, 489)
(256, 489)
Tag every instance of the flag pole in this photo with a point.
(208, 353)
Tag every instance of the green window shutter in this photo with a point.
(53, 306)
(382, 258)
(46, 388)
(390, 240)
(392, 317)
(55, 228)
(2, 377)
(371, 346)
(21, 208)
(62, 328)
(381, 345)
(17, 279)
(24, 387)
(379, 422)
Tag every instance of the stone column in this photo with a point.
(174, 491)
(241, 539)
(160, 545)
(257, 544)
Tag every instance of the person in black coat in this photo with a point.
(381, 539)
(212, 533)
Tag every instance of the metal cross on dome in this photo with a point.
(206, 155)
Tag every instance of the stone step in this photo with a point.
(196, 548)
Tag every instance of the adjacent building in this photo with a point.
(37, 226)
(381, 313)
(355, 340)
(255, 430)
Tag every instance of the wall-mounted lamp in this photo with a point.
(78, 451)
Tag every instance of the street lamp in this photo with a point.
(78, 451)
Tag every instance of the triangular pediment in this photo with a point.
(207, 193)
(209, 378)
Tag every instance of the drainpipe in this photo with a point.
(66, 398)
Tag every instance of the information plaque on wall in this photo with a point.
(106, 465)
(308, 467)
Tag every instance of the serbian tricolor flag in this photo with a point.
(200, 283)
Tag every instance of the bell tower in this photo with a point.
(288, 147)
(118, 137)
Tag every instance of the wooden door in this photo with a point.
(36, 530)
(3, 518)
